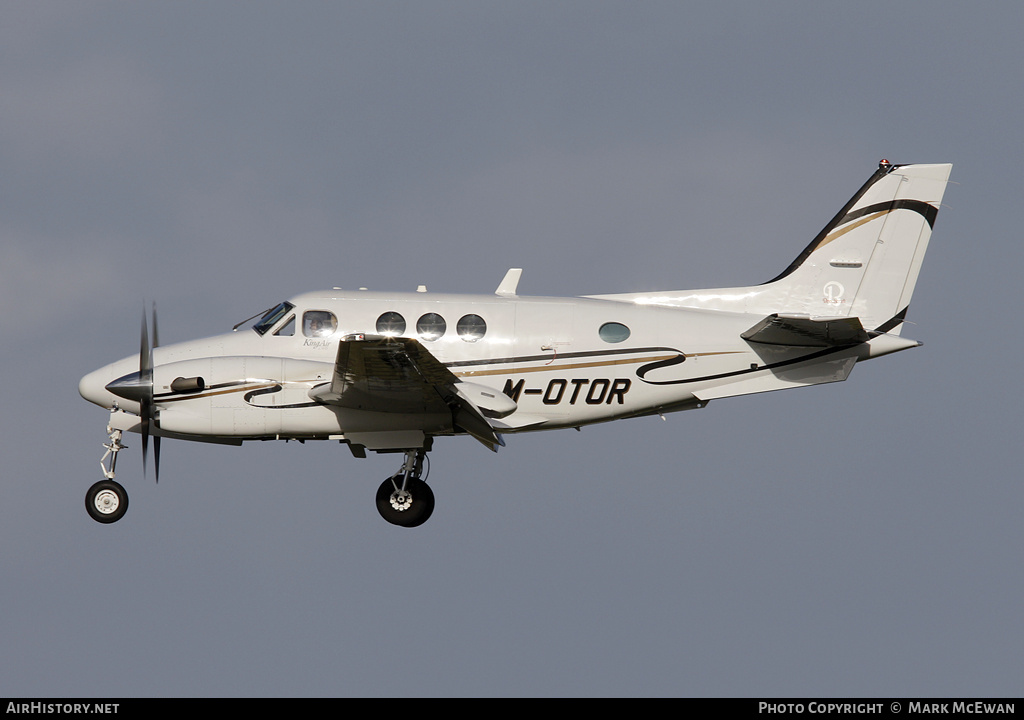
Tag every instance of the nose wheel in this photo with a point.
(404, 499)
(106, 501)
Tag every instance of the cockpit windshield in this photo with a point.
(272, 317)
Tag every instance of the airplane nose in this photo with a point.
(93, 388)
(131, 387)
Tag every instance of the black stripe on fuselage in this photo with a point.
(749, 370)
(556, 356)
(885, 327)
(209, 390)
(270, 391)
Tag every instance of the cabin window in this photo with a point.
(471, 328)
(391, 324)
(318, 323)
(431, 326)
(613, 332)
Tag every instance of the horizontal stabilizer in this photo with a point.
(802, 331)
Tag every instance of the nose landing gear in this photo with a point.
(106, 501)
(404, 499)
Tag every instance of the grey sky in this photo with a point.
(861, 538)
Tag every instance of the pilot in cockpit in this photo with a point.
(318, 323)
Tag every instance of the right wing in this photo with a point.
(399, 375)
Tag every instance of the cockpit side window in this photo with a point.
(288, 329)
(272, 317)
(318, 323)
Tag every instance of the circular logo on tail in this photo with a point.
(834, 293)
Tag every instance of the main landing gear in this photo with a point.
(106, 500)
(404, 499)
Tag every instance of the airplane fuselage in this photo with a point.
(564, 363)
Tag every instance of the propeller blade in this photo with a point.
(145, 438)
(156, 456)
(145, 359)
(156, 341)
(146, 382)
(156, 438)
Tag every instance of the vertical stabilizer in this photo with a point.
(864, 263)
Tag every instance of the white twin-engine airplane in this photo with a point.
(389, 372)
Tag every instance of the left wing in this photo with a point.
(399, 375)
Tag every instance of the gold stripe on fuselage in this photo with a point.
(573, 366)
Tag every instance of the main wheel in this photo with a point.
(106, 501)
(406, 508)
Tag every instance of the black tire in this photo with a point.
(418, 513)
(106, 502)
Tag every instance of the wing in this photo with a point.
(399, 375)
(802, 331)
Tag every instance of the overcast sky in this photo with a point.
(860, 538)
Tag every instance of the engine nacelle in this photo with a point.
(492, 403)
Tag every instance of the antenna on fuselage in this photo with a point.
(509, 283)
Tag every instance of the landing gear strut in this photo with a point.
(106, 500)
(404, 499)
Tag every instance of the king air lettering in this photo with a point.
(578, 390)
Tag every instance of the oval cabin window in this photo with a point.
(613, 332)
